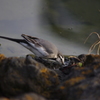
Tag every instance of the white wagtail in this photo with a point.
(41, 48)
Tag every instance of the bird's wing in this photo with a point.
(31, 39)
(41, 44)
(35, 43)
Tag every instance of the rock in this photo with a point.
(83, 83)
(4, 98)
(29, 96)
(26, 78)
(18, 76)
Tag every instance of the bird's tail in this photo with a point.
(12, 39)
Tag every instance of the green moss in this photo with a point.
(80, 64)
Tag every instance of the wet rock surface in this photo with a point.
(32, 79)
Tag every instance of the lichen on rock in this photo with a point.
(2, 57)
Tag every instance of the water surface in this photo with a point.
(63, 23)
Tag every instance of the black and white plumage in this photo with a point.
(41, 48)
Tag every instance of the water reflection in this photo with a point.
(62, 22)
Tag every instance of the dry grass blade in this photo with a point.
(90, 35)
(94, 44)
(98, 49)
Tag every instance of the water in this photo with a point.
(29, 17)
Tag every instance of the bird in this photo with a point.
(40, 47)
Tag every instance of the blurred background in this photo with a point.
(66, 23)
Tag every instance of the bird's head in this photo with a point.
(60, 59)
